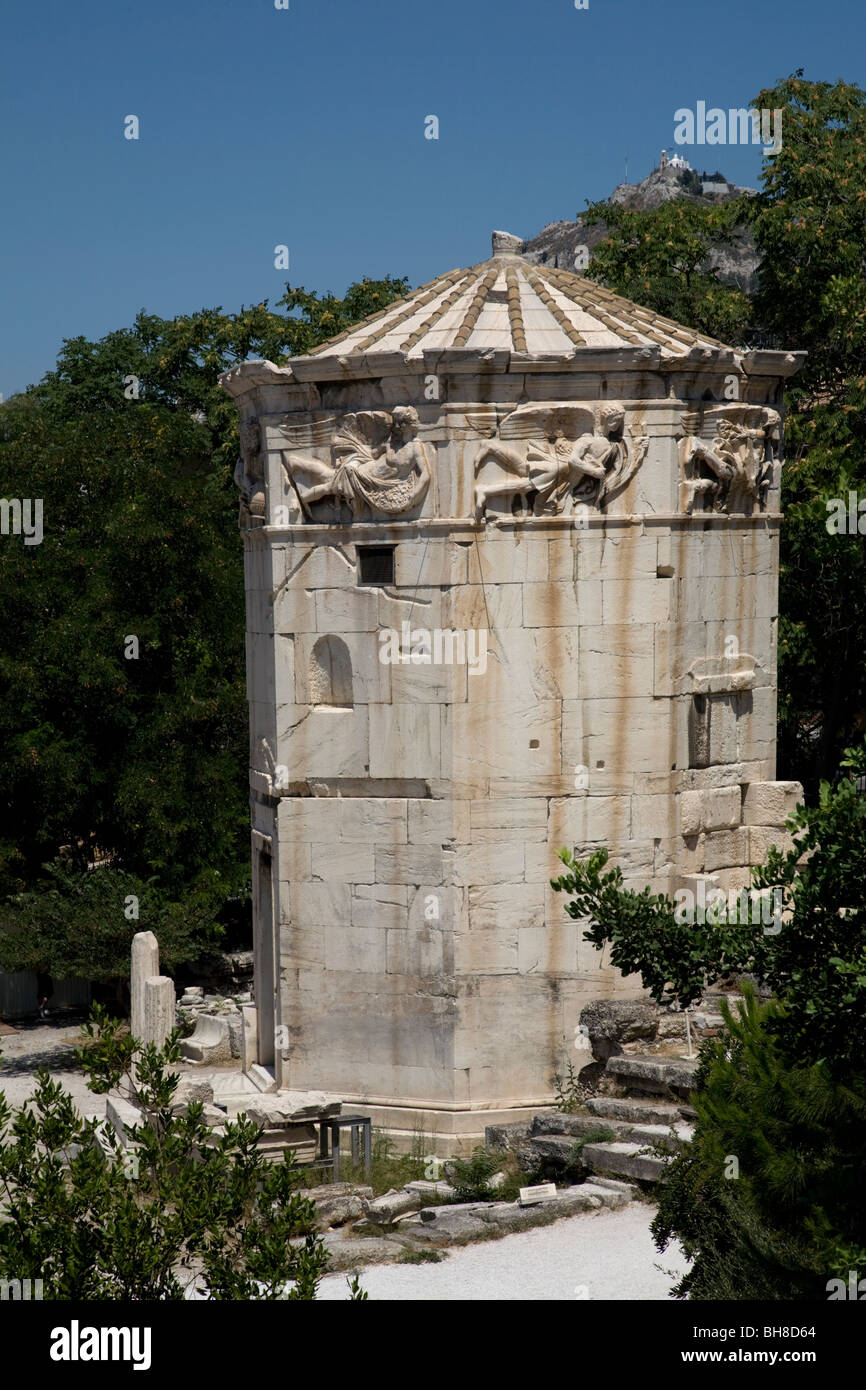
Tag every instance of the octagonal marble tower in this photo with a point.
(511, 568)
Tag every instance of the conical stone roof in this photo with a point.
(508, 304)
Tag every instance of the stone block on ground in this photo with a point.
(426, 1190)
(574, 1125)
(122, 1115)
(191, 1089)
(654, 1075)
(449, 1225)
(351, 1253)
(558, 1149)
(505, 1136)
(390, 1205)
(262, 1078)
(616, 1185)
(286, 1107)
(339, 1202)
(613, 1198)
(633, 1110)
(210, 1043)
(612, 1022)
(624, 1159)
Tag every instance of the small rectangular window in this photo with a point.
(375, 564)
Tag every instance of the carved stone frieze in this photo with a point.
(249, 473)
(728, 455)
(375, 464)
(554, 457)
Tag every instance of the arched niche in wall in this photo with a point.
(331, 673)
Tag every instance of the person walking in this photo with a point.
(44, 991)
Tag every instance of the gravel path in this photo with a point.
(597, 1255)
(48, 1043)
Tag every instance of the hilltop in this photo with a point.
(556, 243)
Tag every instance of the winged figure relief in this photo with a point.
(735, 472)
(377, 463)
(573, 453)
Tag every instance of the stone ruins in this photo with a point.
(511, 568)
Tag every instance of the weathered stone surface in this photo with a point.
(326, 1190)
(460, 1208)
(190, 1089)
(576, 1199)
(425, 1189)
(671, 1139)
(770, 803)
(652, 1074)
(556, 1148)
(274, 1111)
(511, 1216)
(614, 1198)
(611, 1022)
(352, 1253)
(595, 540)
(144, 966)
(633, 1110)
(336, 1211)
(123, 1116)
(450, 1225)
(625, 1159)
(262, 1078)
(392, 1204)
(619, 1188)
(557, 1123)
(505, 1136)
(211, 1041)
(159, 1010)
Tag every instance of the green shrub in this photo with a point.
(767, 1199)
(94, 1221)
(470, 1177)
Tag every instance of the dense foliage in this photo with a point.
(183, 1207)
(767, 1199)
(135, 751)
(784, 1091)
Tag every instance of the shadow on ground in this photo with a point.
(43, 1042)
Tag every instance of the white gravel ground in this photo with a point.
(50, 1044)
(597, 1255)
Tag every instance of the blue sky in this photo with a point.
(305, 127)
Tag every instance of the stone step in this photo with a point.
(556, 1147)
(635, 1110)
(610, 1197)
(670, 1138)
(626, 1189)
(624, 1159)
(558, 1123)
(560, 1148)
(655, 1076)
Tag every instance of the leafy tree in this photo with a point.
(811, 958)
(661, 259)
(185, 1206)
(767, 1199)
(809, 223)
(784, 1091)
(80, 923)
(130, 443)
(642, 930)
